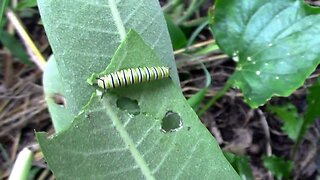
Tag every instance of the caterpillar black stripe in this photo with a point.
(132, 76)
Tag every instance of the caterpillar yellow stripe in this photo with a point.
(132, 76)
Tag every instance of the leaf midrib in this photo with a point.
(117, 19)
(129, 142)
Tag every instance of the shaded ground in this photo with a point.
(236, 127)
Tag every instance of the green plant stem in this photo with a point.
(195, 34)
(22, 165)
(216, 97)
(195, 100)
(194, 22)
(298, 142)
(2, 9)
(4, 153)
(195, 4)
(170, 6)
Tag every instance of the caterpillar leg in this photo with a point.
(104, 86)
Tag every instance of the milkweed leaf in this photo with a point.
(85, 34)
(107, 142)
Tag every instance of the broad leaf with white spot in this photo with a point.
(107, 141)
(276, 43)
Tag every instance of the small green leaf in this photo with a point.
(14, 46)
(108, 142)
(241, 164)
(278, 166)
(265, 36)
(54, 95)
(177, 36)
(292, 121)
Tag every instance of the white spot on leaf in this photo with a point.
(235, 58)
(258, 73)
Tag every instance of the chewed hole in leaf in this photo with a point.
(171, 122)
(129, 105)
(59, 99)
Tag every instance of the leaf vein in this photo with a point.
(128, 141)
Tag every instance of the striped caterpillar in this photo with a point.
(132, 76)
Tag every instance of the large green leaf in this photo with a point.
(106, 141)
(276, 44)
(84, 35)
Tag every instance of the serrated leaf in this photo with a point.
(279, 167)
(292, 121)
(275, 41)
(107, 142)
(84, 35)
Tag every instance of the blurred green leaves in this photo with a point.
(177, 36)
(291, 119)
(296, 125)
(241, 164)
(279, 167)
(3, 5)
(26, 4)
(15, 46)
(313, 109)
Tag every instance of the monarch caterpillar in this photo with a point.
(132, 76)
